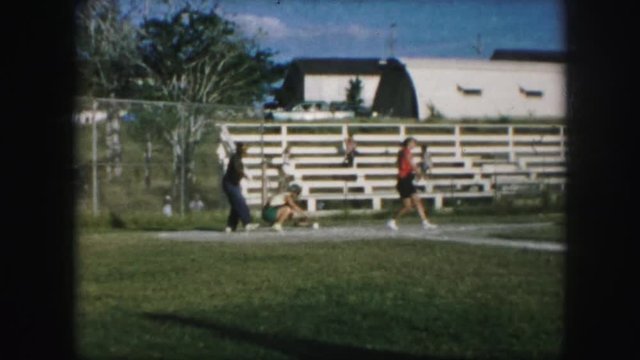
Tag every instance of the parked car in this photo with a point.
(360, 111)
(268, 109)
(311, 111)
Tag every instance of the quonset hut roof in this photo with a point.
(293, 87)
(339, 66)
(463, 88)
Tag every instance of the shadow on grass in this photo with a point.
(294, 347)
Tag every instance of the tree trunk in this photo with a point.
(114, 148)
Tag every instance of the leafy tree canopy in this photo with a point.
(190, 55)
(105, 50)
(196, 56)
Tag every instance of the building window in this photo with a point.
(531, 93)
(469, 91)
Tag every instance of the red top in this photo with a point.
(405, 167)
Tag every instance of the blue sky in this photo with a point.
(423, 28)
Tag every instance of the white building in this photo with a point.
(459, 89)
(513, 85)
(328, 80)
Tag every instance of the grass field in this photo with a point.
(143, 298)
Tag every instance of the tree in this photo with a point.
(190, 57)
(106, 50)
(107, 61)
(354, 94)
(195, 57)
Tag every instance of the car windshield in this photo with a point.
(311, 106)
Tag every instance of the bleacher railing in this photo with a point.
(469, 160)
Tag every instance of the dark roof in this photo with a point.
(396, 94)
(529, 55)
(339, 66)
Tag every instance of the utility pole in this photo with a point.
(392, 39)
(478, 47)
(263, 164)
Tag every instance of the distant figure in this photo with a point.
(287, 163)
(407, 172)
(286, 170)
(350, 151)
(166, 208)
(231, 185)
(196, 204)
(426, 163)
(282, 206)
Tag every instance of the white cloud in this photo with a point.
(251, 24)
(277, 29)
(356, 31)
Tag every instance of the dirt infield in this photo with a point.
(472, 234)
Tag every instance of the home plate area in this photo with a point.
(472, 234)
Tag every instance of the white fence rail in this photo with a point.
(469, 161)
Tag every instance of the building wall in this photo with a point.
(334, 87)
(443, 83)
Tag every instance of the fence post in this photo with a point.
(512, 155)
(182, 170)
(562, 150)
(283, 136)
(376, 203)
(263, 167)
(456, 137)
(437, 202)
(94, 159)
(147, 162)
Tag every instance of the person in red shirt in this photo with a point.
(407, 172)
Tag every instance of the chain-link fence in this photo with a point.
(153, 158)
(141, 157)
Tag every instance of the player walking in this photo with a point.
(407, 171)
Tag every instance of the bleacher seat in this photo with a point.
(469, 161)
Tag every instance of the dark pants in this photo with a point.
(239, 209)
(405, 186)
(348, 159)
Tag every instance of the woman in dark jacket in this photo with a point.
(231, 187)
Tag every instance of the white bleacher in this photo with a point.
(469, 161)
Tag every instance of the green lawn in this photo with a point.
(143, 298)
(555, 233)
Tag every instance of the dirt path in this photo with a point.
(472, 234)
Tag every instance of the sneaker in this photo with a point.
(228, 230)
(251, 226)
(427, 225)
(391, 224)
(277, 227)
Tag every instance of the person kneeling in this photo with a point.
(282, 206)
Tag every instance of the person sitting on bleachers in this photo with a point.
(350, 151)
